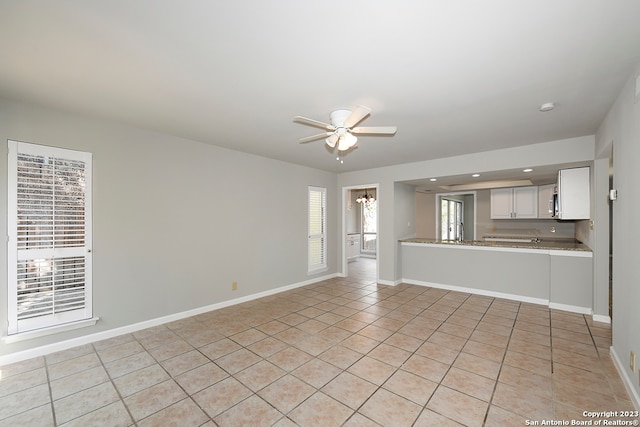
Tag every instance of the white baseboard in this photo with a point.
(513, 297)
(571, 308)
(628, 382)
(389, 282)
(475, 291)
(601, 318)
(99, 336)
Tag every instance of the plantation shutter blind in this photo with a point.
(317, 247)
(49, 236)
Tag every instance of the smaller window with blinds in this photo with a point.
(317, 243)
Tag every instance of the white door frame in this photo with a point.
(344, 271)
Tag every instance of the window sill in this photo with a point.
(23, 336)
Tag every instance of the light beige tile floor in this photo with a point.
(341, 352)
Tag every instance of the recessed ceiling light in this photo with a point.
(433, 180)
(527, 170)
(547, 106)
(475, 175)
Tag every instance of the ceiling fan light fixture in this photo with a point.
(332, 140)
(342, 127)
(346, 141)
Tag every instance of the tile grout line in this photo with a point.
(504, 356)
(135, 423)
(439, 384)
(53, 409)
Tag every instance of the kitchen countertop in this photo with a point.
(545, 244)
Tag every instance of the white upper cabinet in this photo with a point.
(502, 203)
(545, 201)
(573, 193)
(518, 202)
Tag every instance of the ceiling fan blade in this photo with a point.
(315, 137)
(357, 116)
(311, 122)
(375, 130)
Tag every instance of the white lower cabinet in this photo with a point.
(353, 246)
(518, 202)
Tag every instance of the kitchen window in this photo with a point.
(317, 240)
(49, 227)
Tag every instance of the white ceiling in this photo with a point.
(455, 77)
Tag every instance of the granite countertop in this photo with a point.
(546, 244)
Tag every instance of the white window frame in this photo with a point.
(453, 230)
(315, 235)
(58, 319)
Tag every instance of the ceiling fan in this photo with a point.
(342, 131)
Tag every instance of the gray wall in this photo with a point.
(352, 213)
(517, 273)
(426, 215)
(621, 129)
(175, 221)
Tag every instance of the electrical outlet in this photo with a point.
(632, 361)
(234, 286)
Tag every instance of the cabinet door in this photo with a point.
(545, 201)
(502, 203)
(353, 246)
(573, 193)
(525, 202)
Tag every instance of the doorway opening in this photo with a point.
(360, 232)
(456, 216)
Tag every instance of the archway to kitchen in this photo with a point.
(360, 246)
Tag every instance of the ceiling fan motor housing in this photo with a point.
(338, 117)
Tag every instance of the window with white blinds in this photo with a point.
(317, 247)
(49, 225)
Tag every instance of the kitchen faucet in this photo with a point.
(461, 235)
